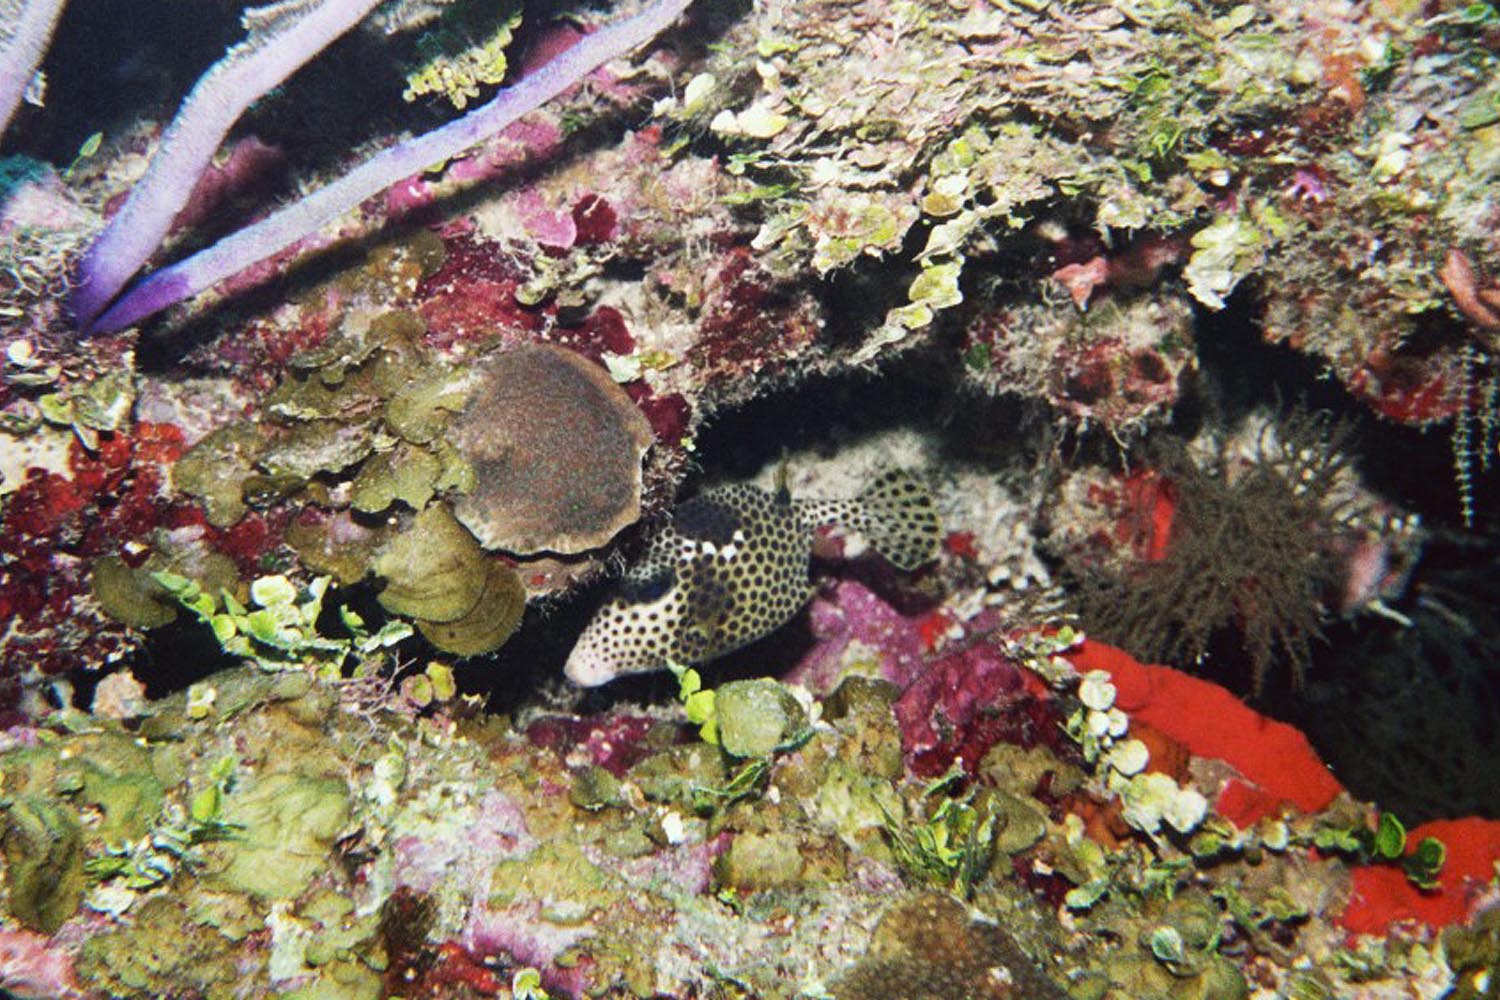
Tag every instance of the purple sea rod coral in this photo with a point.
(282, 38)
(285, 227)
(25, 27)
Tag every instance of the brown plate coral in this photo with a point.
(556, 448)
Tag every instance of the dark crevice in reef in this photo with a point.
(1406, 715)
(110, 58)
(178, 655)
(1410, 466)
(821, 413)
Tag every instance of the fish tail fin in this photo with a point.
(898, 516)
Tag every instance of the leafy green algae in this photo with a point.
(434, 570)
(216, 468)
(130, 597)
(464, 601)
(492, 620)
(404, 473)
(419, 411)
(368, 409)
(327, 830)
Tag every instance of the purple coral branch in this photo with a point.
(286, 226)
(23, 42)
(248, 71)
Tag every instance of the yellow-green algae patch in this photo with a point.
(493, 619)
(172, 945)
(43, 849)
(130, 597)
(464, 601)
(215, 469)
(434, 570)
(288, 821)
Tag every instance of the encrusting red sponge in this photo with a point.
(1279, 766)
(1382, 894)
(1275, 758)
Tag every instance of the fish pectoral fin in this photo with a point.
(710, 609)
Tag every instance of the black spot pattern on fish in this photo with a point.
(733, 566)
(898, 517)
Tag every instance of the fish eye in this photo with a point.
(644, 589)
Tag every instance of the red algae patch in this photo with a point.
(556, 448)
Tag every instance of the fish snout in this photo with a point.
(586, 667)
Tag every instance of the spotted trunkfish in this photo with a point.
(732, 566)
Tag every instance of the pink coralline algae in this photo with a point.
(31, 967)
(472, 296)
(594, 220)
(463, 853)
(601, 332)
(1137, 266)
(590, 221)
(953, 706)
(552, 228)
(1086, 381)
(669, 415)
(965, 702)
(522, 933)
(1309, 184)
(751, 321)
(851, 624)
(686, 867)
(615, 744)
(1408, 387)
